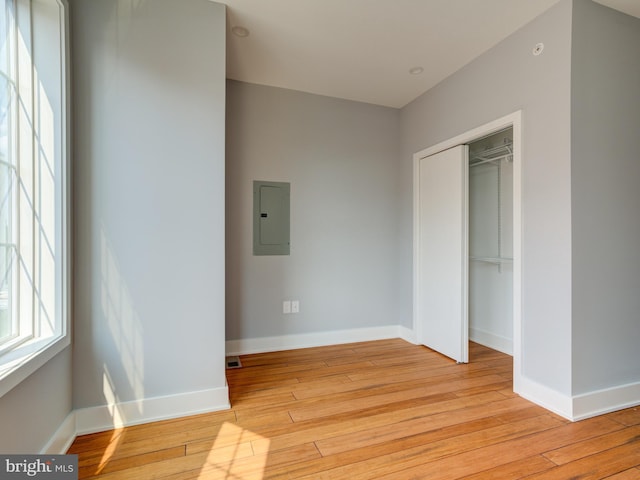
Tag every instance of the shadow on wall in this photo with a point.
(117, 305)
(126, 335)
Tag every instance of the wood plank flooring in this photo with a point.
(374, 410)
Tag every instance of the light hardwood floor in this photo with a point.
(374, 410)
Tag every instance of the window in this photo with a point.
(34, 264)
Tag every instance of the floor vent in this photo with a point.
(234, 362)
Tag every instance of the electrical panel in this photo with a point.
(271, 215)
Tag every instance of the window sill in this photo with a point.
(27, 358)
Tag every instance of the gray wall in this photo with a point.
(32, 411)
(505, 79)
(341, 160)
(605, 172)
(149, 84)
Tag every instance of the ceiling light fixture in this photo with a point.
(416, 70)
(239, 31)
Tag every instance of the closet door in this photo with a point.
(442, 319)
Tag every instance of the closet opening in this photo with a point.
(490, 241)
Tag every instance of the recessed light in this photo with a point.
(416, 70)
(239, 31)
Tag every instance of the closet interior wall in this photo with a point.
(491, 241)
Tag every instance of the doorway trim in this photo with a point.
(512, 120)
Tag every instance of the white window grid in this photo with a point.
(33, 233)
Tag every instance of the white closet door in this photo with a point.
(442, 319)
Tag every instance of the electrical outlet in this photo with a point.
(295, 306)
(286, 306)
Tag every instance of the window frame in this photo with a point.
(28, 353)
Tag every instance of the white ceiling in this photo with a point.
(363, 49)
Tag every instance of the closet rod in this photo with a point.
(489, 160)
(496, 152)
(499, 148)
(496, 260)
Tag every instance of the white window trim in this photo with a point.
(25, 359)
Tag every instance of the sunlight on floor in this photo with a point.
(110, 450)
(233, 457)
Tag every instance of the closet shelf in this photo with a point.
(495, 260)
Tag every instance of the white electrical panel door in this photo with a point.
(442, 322)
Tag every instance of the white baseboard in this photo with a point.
(407, 334)
(108, 417)
(580, 407)
(491, 340)
(605, 401)
(544, 396)
(318, 339)
(63, 438)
